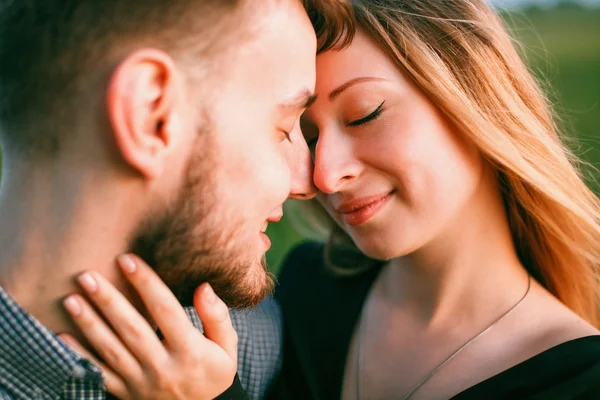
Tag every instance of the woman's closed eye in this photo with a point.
(312, 142)
(368, 118)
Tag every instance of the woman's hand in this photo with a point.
(135, 363)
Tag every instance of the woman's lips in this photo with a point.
(359, 211)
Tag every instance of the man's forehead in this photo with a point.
(298, 101)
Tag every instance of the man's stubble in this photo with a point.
(199, 239)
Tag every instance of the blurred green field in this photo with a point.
(562, 46)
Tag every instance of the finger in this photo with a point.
(216, 320)
(133, 330)
(102, 338)
(114, 384)
(160, 302)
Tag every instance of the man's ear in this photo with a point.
(141, 100)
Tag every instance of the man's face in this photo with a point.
(251, 158)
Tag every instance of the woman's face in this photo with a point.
(390, 168)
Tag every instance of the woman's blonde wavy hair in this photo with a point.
(459, 53)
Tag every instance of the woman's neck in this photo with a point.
(471, 266)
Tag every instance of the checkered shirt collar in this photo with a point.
(34, 363)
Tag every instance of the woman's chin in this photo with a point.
(378, 251)
(385, 250)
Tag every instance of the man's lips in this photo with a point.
(275, 217)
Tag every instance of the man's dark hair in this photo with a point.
(55, 52)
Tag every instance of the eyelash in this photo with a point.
(311, 143)
(369, 117)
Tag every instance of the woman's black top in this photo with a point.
(321, 310)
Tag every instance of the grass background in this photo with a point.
(562, 47)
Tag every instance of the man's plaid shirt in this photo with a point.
(35, 364)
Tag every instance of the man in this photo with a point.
(168, 128)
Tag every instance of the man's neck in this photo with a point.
(52, 229)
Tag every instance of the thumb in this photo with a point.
(216, 321)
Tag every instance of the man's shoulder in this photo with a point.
(255, 324)
(4, 394)
(259, 326)
(260, 345)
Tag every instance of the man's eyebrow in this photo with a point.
(299, 101)
(352, 82)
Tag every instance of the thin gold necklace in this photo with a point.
(361, 338)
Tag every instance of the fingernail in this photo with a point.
(209, 295)
(127, 263)
(65, 338)
(72, 306)
(88, 282)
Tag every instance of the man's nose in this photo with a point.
(303, 187)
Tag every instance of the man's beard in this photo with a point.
(198, 240)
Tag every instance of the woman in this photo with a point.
(464, 255)
(436, 154)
